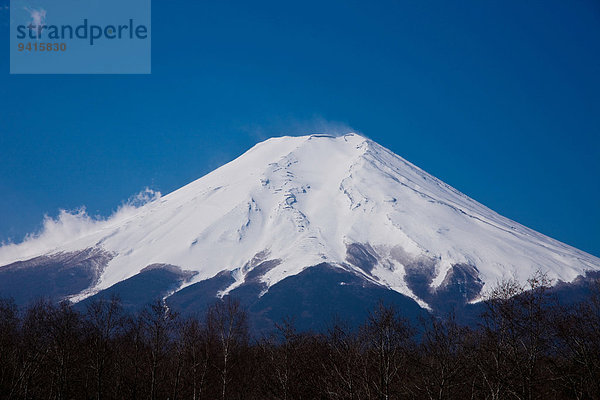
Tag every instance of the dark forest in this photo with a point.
(526, 345)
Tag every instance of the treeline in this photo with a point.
(526, 346)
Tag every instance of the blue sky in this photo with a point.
(500, 99)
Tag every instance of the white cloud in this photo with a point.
(38, 17)
(295, 127)
(70, 226)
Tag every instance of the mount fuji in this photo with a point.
(305, 226)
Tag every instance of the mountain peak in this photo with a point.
(290, 203)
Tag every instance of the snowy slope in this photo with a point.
(304, 201)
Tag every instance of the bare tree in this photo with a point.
(228, 330)
(578, 349)
(104, 320)
(388, 337)
(518, 334)
(158, 327)
(345, 364)
(195, 353)
(64, 353)
(444, 370)
(9, 339)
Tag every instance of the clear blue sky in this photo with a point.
(500, 99)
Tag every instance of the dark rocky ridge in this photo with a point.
(312, 297)
(57, 276)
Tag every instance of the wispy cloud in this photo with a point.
(38, 16)
(295, 127)
(70, 226)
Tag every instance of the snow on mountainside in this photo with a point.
(303, 201)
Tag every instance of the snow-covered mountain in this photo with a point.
(292, 203)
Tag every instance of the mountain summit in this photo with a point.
(345, 206)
